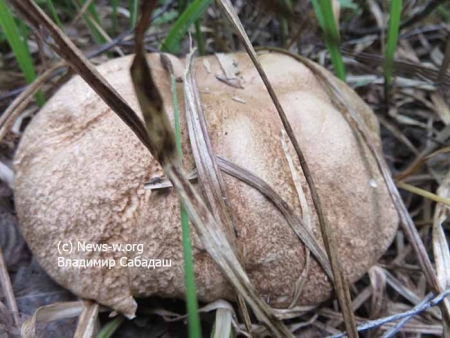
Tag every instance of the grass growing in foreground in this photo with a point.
(191, 293)
(91, 16)
(199, 37)
(115, 21)
(19, 46)
(325, 16)
(179, 29)
(53, 12)
(111, 327)
(133, 6)
(392, 39)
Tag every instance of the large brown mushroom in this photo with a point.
(80, 175)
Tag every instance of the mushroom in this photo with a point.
(80, 176)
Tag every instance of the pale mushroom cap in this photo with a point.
(80, 175)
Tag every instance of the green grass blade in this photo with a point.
(318, 12)
(392, 39)
(94, 16)
(284, 25)
(199, 37)
(181, 26)
(181, 5)
(191, 296)
(53, 12)
(191, 293)
(444, 13)
(111, 327)
(87, 17)
(19, 46)
(173, 89)
(93, 10)
(325, 16)
(133, 5)
(115, 23)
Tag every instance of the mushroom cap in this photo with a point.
(80, 175)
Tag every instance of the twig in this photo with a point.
(421, 307)
(402, 322)
(5, 283)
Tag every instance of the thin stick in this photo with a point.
(392, 331)
(415, 311)
(5, 283)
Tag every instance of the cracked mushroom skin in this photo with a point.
(80, 175)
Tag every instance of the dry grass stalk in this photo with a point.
(5, 283)
(50, 313)
(401, 68)
(222, 328)
(91, 19)
(87, 323)
(22, 101)
(306, 216)
(403, 290)
(340, 280)
(441, 137)
(296, 224)
(445, 63)
(82, 11)
(378, 282)
(440, 245)
(424, 193)
(421, 159)
(397, 133)
(6, 175)
(210, 177)
(361, 298)
(440, 107)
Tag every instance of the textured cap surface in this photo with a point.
(80, 174)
